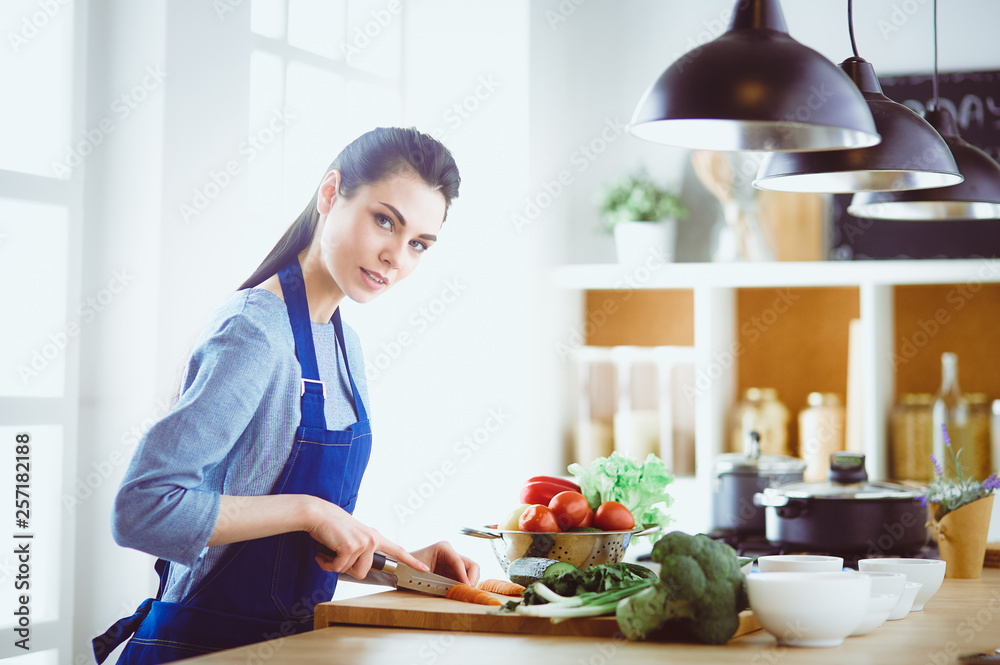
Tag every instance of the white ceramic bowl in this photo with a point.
(799, 563)
(809, 609)
(879, 606)
(902, 608)
(929, 572)
(891, 583)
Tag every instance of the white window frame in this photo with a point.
(30, 412)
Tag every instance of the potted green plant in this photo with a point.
(642, 215)
(959, 514)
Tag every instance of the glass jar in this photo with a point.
(978, 459)
(760, 411)
(913, 438)
(821, 433)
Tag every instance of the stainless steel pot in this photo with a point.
(737, 477)
(847, 514)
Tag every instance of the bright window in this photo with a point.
(44, 146)
(36, 71)
(317, 26)
(49, 657)
(34, 329)
(322, 72)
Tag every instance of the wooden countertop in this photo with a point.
(963, 617)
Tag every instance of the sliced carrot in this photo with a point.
(502, 587)
(470, 594)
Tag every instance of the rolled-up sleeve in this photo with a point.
(159, 507)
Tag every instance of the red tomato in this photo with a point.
(613, 516)
(570, 509)
(589, 519)
(538, 518)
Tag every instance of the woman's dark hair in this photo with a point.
(382, 152)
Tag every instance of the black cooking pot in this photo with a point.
(737, 477)
(847, 514)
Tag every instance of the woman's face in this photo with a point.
(376, 238)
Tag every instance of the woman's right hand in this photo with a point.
(354, 543)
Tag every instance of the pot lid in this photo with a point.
(751, 462)
(769, 464)
(866, 491)
(847, 480)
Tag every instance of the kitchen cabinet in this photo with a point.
(937, 301)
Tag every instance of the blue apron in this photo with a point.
(266, 588)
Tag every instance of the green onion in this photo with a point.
(589, 604)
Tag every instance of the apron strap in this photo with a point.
(313, 390)
(124, 628)
(359, 405)
(293, 287)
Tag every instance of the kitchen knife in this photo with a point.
(405, 577)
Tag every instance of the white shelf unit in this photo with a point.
(714, 287)
(624, 358)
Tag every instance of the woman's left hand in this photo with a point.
(444, 560)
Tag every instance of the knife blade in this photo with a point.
(405, 576)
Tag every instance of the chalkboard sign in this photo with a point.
(974, 99)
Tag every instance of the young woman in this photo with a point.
(262, 455)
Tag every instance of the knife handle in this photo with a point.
(378, 559)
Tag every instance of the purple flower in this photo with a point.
(937, 466)
(991, 483)
(947, 439)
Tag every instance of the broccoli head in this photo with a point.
(701, 591)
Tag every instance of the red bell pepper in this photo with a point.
(541, 489)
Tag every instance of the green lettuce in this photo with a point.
(640, 487)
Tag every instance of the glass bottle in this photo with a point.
(952, 410)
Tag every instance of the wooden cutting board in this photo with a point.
(404, 609)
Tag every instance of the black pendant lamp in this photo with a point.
(978, 197)
(912, 155)
(754, 88)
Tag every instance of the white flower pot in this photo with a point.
(637, 242)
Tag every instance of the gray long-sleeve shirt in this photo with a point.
(230, 431)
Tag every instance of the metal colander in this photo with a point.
(581, 549)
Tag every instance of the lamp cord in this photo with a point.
(935, 58)
(850, 26)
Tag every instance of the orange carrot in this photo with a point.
(470, 594)
(502, 587)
